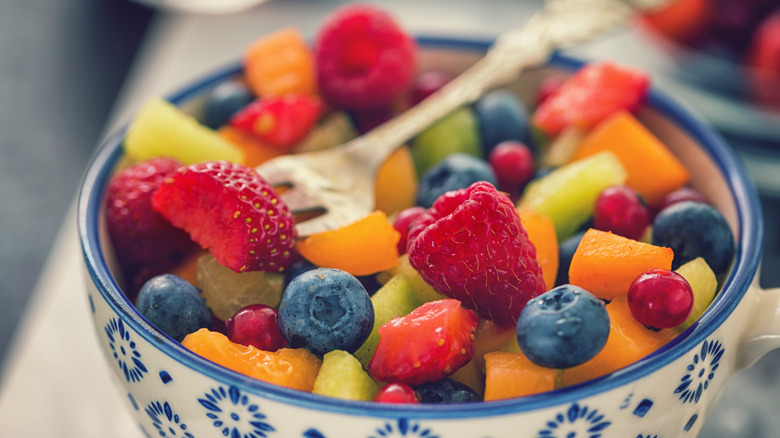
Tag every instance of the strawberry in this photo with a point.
(233, 212)
(279, 121)
(430, 343)
(145, 243)
(363, 58)
(592, 94)
(471, 246)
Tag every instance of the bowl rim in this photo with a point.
(745, 267)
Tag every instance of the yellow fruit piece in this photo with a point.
(422, 291)
(342, 376)
(511, 375)
(541, 233)
(361, 248)
(160, 129)
(394, 298)
(280, 63)
(227, 291)
(293, 368)
(704, 284)
(396, 182)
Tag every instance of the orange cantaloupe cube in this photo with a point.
(653, 171)
(489, 337)
(295, 368)
(541, 233)
(628, 341)
(255, 151)
(605, 263)
(509, 375)
(364, 247)
(396, 182)
(280, 63)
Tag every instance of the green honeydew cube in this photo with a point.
(342, 376)
(456, 132)
(567, 195)
(162, 129)
(704, 285)
(394, 298)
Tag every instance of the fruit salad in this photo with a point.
(515, 247)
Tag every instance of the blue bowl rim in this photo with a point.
(745, 268)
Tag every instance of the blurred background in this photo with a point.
(71, 70)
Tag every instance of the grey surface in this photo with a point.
(61, 65)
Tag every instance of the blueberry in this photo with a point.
(501, 117)
(566, 251)
(563, 327)
(173, 305)
(224, 101)
(370, 282)
(456, 171)
(446, 390)
(326, 309)
(695, 229)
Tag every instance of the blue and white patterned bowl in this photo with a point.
(174, 393)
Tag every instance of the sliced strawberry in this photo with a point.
(233, 212)
(430, 343)
(592, 94)
(279, 121)
(144, 242)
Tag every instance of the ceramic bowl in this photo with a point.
(172, 392)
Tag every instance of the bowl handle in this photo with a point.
(762, 333)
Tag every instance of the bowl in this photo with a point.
(173, 392)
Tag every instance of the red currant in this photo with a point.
(513, 164)
(682, 194)
(620, 209)
(256, 325)
(396, 393)
(403, 222)
(427, 83)
(660, 298)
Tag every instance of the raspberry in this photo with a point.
(144, 241)
(363, 58)
(233, 212)
(471, 246)
(442, 332)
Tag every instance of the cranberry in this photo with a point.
(256, 325)
(513, 163)
(427, 83)
(660, 298)
(621, 210)
(403, 222)
(396, 393)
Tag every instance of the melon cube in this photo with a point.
(628, 342)
(605, 264)
(653, 171)
(514, 375)
(227, 291)
(342, 376)
(394, 298)
(704, 284)
(160, 129)
(567, 195)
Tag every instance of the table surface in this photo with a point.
(56, 382)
